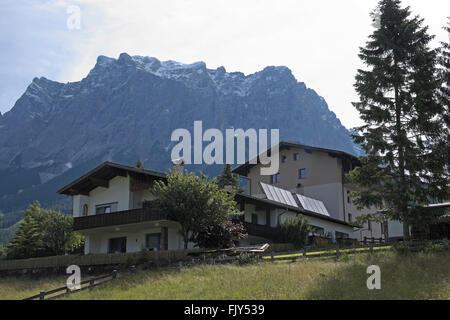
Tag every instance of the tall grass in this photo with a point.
(412, 276)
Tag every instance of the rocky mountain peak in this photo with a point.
(126, 109)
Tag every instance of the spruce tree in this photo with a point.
(228, 178)
(139, 164)
(402, 169)
(27, 242)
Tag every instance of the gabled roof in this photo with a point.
(100, 176)
(244, 168)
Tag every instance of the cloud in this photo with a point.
(318, 40)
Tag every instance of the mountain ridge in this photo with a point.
(126, 108)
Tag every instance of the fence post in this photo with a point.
(337, 252)
(304, 253)
(371, 248)
(365, 239)
(91, 283)
(42, 295)
(114, 274)
(271, 256)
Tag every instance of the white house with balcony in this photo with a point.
(111, 208)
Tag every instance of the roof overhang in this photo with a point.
(101, 175)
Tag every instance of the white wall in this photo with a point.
(118, 191)
(139, 196)
(78, 202)
(99, 242)
(395, 229)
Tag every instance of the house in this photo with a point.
(111, 208)
(316, 173)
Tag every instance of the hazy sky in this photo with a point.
(318, 40)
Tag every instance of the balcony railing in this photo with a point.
(117, 218)
(257, 230)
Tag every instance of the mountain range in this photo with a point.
(125, 109)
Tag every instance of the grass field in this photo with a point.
(412, 276)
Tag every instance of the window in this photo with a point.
(275, 178)
(254, 218)
(350, 217)
(85, 210)
(296, 156)
(283, 159)
(106, 208)
(302, 173)
(317, 230)
(117, 245)
(341, 235)
(153, 241)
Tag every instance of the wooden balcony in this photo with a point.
(117, 218)
(257, 230)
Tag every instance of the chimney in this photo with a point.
(178, 165)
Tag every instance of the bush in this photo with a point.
(220, 236)
(293, 230)
(401, 249)
(248, 258)
(434, 247)
(2, 252)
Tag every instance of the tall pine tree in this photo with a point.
(402, 169)
(228, 178)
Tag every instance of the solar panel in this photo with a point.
(313, 205)
(279, 195)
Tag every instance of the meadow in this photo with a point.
(403, 276)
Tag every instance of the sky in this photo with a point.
(318, 40)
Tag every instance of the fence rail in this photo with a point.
(371, 247)
(294, 255)
(91, 283)
(163, 257)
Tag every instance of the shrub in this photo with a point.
(248, 258)
(220, 236)
(401, 249)
(293, 230)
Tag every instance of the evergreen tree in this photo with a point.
(444, 94)
(43, 233)
(139, 164)
(27, 242)
(403, 168)
(228, 178)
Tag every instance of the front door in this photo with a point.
(153, 241)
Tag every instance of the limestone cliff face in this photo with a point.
(126, 109)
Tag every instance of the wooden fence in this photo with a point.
(164, 257)
(295, 255)
(336, 252)
(86, 284)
